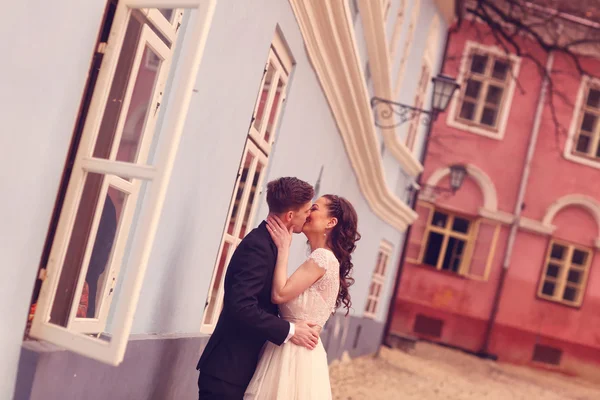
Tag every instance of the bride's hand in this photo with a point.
(281, 235)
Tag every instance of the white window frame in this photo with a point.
(416, 124)
(85, 163)
(421, 97)
(408, 43)
(385, 9)
(397, 33)
(578, 112)
(505, 107)
(112, 352)
(280, 73)
(234, 239)
(280, 57)
(384, 256)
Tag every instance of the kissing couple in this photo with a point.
(266, 342)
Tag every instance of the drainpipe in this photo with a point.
(413, 206)
(519, 206)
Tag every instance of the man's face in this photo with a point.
(299, 217)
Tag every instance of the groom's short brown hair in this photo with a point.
(285, 194)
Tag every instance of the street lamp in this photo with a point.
(443, 89)
(458, 172)
(457, 176)
(389, 114)
(385, 111)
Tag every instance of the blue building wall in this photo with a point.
(44, 93)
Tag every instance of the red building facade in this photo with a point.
(509, 265)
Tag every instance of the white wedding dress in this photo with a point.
(290, 372)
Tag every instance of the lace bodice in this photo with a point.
(317, 302)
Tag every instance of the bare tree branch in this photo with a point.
(532, 30)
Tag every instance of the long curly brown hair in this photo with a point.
(342, 241)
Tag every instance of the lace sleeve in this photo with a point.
(320, 257)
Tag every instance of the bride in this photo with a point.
(313, 292)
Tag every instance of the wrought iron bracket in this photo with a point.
(433, 189)
(389, 114)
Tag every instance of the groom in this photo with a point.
(249, 318)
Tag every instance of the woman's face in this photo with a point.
(319, 221)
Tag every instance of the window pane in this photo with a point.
(500, 70)
(384, 265)
(141, 107)
(570, 294)
(246, 221)
(579, 257)
(598, 150)
(473, 89)
(467, 111)
(488, 117)
(167, 12)
(548, 288)
(460, 225)
(575, 276)
(277, 101)
(439, 219)
(593, 99)
(434, 246)
(212, 301)
(379, 260)
(583, 143)
(113, 108)
(453, 255)
(494, 95)
(97, 274)
(553, 270)
(558, 252)
(78, 242)
(588, 123)
(479, 63)
(264, 95)
(240, 192)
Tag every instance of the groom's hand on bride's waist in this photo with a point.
(306, 335)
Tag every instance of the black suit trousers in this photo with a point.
(211, 388)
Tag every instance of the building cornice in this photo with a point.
(447, 9)
(331, 46)
(380, 66)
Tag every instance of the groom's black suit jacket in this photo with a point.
(249, 318)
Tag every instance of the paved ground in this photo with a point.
(433, 372)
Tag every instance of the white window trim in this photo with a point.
(280, 73)
(416, 126)
(575, 120)
(112, 352)
(108, 167)
(452, 119)
(431, 47)
(385, 8)
(233, 239)
(378, 277)
(408, 42)
(397, 33)
(167, 28)
(84, 325)
(280, 57)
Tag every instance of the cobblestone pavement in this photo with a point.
(433, 372)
